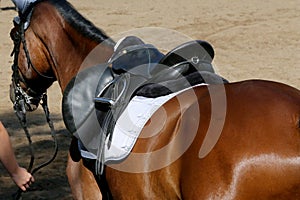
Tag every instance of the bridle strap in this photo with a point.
(29, 62)
(20, 38)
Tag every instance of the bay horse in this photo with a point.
(233, 141)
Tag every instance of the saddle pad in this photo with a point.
(131, 122)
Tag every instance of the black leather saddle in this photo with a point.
(99, 94)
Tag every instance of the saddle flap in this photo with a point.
(78, 97)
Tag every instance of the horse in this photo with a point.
(225, 141)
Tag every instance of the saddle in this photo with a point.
(96, 97)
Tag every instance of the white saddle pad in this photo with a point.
(131, 122)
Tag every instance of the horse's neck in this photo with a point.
(68, 51)
(76, 53)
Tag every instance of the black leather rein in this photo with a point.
(22, 101)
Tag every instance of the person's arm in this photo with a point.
(19, 175)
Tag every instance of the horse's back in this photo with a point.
(257, 154)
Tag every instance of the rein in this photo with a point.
(22, 119)
(22, 102)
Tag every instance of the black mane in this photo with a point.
(79, 23)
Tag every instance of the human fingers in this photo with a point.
(26, 185)
(32, 179)
(23, 188)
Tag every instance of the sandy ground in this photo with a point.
(252, 40)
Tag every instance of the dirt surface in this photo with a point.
(252, 40)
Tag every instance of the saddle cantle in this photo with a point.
(135, 68)
(198, 53)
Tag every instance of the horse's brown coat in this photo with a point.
(256, 157)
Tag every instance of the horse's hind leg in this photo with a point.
(82, 182)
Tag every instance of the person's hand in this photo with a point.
(22, 178)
